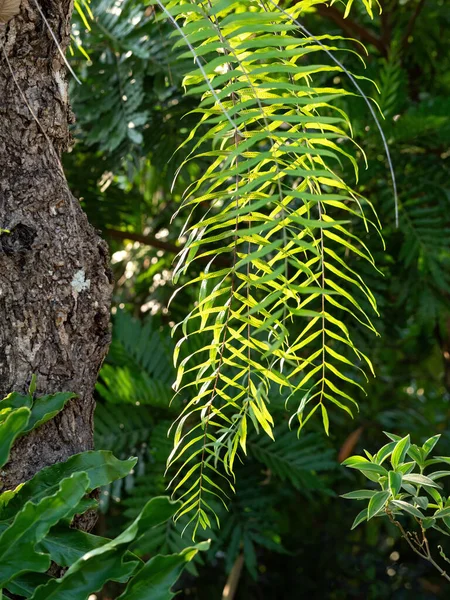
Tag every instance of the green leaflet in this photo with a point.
(32, 523)
(377, 503)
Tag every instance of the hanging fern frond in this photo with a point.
(297, 460)
(279, 210)
(252, 523)
(138, 370)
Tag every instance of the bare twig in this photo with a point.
(351, 28)
(421, 548)
(230, 589)
(149, 240)
(411, 23)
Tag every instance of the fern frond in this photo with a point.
(281, 212)
(114, 107)
(139, 369)
(252, 523)
(292, 459)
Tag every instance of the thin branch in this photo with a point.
(351, 27)
(230, 589)
(420, 548)
(411, 23)
(153, 242)
(147, 240)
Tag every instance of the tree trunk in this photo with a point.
(54, 277)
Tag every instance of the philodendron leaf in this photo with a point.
(16, 400)
(79, 585)
(65, 545)
(108, 562)
(24, 585)
(101, 468)
(31, 525)
(46, 407)
(10, 429)
(400, 450)
(155, 580)
(377, 503)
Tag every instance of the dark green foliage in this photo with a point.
(126, 88)
(129, 189)
(35, 521)
(139, 369)
(299, 461)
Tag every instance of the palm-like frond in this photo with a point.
(292, 459)
(287, 222)
(138, 370)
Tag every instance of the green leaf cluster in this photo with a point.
(35, 521)
(407, 487)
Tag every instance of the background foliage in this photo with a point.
(286, 524)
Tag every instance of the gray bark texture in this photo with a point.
(55, 285)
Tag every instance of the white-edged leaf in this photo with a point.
(359, 495)
(362, 516)
(412, 510)
(418, 479)
(400, 450)
(377, 503)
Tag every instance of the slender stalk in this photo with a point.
(422, 548)
(230, 589)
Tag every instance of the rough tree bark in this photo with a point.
(54, 277)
